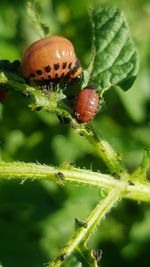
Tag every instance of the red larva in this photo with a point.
(86, 105)
(50, 58)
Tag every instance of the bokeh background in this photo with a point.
(37, 218)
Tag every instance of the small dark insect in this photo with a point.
(61, 176)
(86, 105)
(130, 182)
(97, 254)
(50, 58)
(63, 256)
(80, 223)
(116, 176)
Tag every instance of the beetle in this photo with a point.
(49, 59)
(86, 105)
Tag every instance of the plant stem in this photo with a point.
(94, 218)
(102, 148)
(105, 151)
(29, 171)
(139, 190)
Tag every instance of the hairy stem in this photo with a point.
(106, 152)
(25, 171)
(101, 147)
(80, 234)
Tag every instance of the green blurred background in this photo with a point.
(37, 218)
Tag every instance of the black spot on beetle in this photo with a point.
(56, 75)
(48, 68)
(39, 72)
(56, 66)
(69, 66)
(64, 65)
(49, 77)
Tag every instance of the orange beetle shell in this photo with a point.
(49, 58)
(86, 105)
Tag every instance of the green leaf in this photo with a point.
(140, 173)
(41, 27)
(115, 61)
